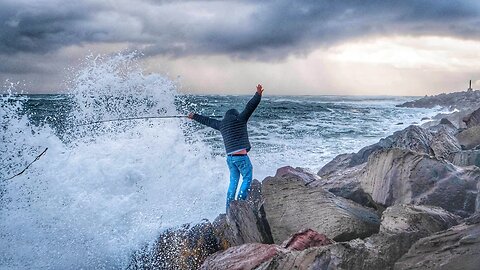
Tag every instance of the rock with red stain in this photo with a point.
(306, 239)
(254, 255)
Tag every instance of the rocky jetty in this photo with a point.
(452, 101)
(459, 104)
(410, 201)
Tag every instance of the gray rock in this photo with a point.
(422, 219)
(291, 204)
(395, 176)
(340, 162)
(346, 183)
(456, 248)
(477, 204)
(245, 221)
(444, 142)
(466, 158)
(472, 119)
(437, 141)
(413, 138)
(248, 225)
(469, 138)
(455, 117)
(444, 126)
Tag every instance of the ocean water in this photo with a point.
(102, 190)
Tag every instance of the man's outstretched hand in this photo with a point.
(190, 115)
(260, 89)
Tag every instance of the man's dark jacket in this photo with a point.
(233, 126)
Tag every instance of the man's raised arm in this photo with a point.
(252, 104)
(207, 121)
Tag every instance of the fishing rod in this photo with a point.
(141, 117)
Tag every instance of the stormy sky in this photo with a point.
(403, 47)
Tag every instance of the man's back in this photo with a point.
(233, 126)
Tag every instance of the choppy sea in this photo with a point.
(102, 190)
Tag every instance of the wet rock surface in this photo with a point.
(183, 248)
(397, 176)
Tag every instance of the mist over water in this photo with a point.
(102, 190)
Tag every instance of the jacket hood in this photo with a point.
(232, 113)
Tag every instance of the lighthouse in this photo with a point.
(470, 87)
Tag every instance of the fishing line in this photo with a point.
(139, 118)
(28, 166)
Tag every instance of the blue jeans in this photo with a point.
(239, 165)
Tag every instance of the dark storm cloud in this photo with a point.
(247, 29)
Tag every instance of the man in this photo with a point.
(233, 128)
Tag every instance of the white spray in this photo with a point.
(102, 190)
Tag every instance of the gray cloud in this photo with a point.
(247, 29)
(33, 32)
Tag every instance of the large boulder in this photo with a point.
(444, 142)
(469, 138)
(242, 224)
(344, 181)
(254, 255)
(245, 221)
(413, 138)
(472, 119)
(438, 141)
(423, 219)
(339, 163)
(455, 249)
(292, 203)
(395, 176)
